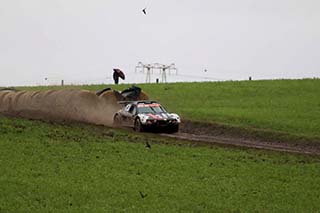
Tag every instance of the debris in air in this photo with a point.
(144, 11)
(142, 195)
(148, 145)
(116, 74)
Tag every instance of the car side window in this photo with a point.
(132, 110)
(127, 107)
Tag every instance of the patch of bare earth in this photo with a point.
(213, 134)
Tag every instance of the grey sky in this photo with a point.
(81, 41)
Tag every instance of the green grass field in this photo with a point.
(288, 106)
(74, 167)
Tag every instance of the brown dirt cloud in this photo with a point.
(62, 105)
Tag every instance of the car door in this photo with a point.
(125, 115)
(132, 115)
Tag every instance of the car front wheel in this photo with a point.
(173, 129)
(138, 126)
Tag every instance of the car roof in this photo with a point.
(137, 102)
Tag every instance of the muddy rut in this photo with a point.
(255, 144)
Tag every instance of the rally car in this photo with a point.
(146, 115)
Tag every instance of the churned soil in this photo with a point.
(212, 134)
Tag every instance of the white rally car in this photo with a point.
(146, 115)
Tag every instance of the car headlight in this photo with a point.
(178, 119)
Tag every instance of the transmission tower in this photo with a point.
(148, 75)
(163, 70)
(163, 74)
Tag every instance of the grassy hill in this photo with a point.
(287, 106)
(76, 167)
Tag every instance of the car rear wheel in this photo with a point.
(116, 120)
(138, 126)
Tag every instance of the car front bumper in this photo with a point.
(161, 123)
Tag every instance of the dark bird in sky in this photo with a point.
(144, 11)
(148, 145)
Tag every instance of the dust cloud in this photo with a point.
(62, 105)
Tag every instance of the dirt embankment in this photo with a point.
(61, 105)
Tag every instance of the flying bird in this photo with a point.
(144, 11)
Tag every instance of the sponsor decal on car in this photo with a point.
(148, 105)
(154, 116)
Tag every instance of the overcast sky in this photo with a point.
(82, 40)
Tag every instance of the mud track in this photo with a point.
(255, 144)
(218, 134)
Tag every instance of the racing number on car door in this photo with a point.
(126, 115)
(132, 115)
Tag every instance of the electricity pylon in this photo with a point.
(163, 69)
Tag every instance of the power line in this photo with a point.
(201, 77)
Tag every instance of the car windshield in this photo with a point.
(150, 108)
